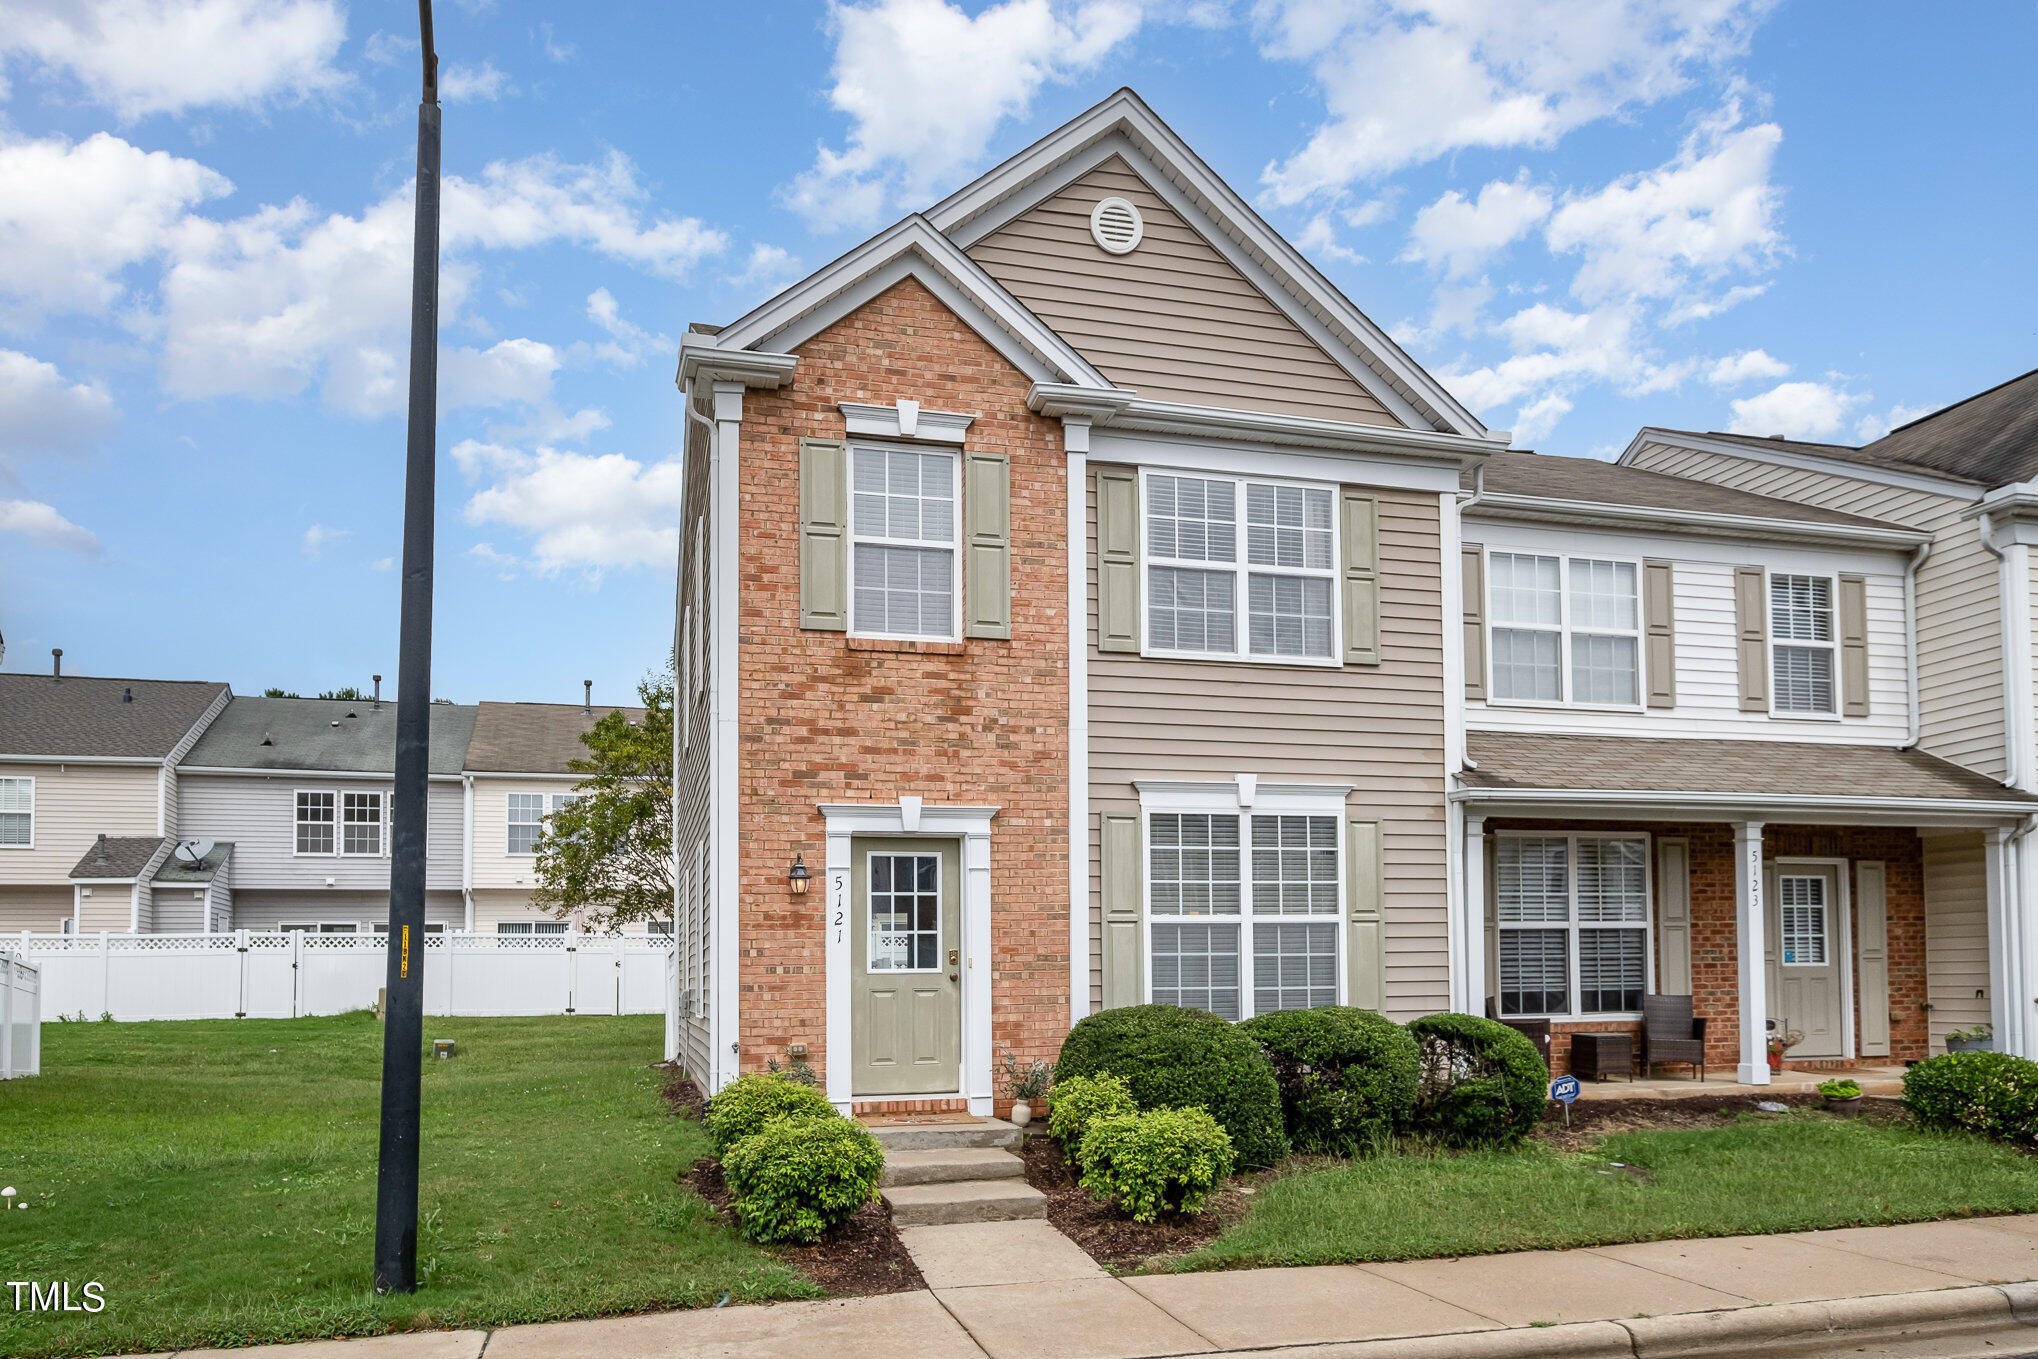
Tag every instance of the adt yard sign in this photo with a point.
(1564, 1089)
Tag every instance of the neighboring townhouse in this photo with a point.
(1963, 479)
(1692, 768)
(1067, 582)
(519, 770)
(81, 758)
(302, 788)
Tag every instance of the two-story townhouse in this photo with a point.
(85, 757)
(1962, 478)
(519, 770)
(1692, 768)
(1061, 623)
(303, 789)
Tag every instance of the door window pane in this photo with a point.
(905, 912)
(1802, 913)
(1196, 965)
(1294, 966)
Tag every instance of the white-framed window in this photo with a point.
(330, 927)
(905, 913)
(361, 823)
(904, 542)
(527, 813)
(1239, 569)
(1244, 910)
(382, 927)
(1565, 629)
(1803, 918)
(1572, 923)
(1803, 646)
(317, 818)
(659, 927)
(17, 812)
(530, 927)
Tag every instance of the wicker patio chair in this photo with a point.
(1671, 1034)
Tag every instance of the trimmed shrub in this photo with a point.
(1347, 1076)
(747, 1103)
(1176, 1058)
(1992, 1093)
(801, 1175)
(1482, 1083)
(1080, 1101)
(1160, 1161)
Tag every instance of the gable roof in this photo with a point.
(1991, 437)
(118, 858)
(324, 734)
(89, 717)
(534, 738)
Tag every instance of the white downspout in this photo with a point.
(1918, 556)
(467, 849)
(706, 896)
(2013, 592)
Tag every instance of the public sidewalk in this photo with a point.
(1023, 1291)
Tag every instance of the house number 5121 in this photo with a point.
(837, 894)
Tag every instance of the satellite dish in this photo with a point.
(191, 853)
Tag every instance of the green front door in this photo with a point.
(905, 942)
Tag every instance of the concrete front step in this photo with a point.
(949, 1165)
(940, 1205)
(973, 1132)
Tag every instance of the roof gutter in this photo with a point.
(383, 774)
(1746, 803)
(131, 760)
(1502, 505)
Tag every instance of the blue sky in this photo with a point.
(1583, 216)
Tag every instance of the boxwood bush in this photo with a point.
(1160, 1161)
(801, 1175)
(1992, 1093)
(1347, 1076)
(1481, 1083)
(1176, 1058)
(747, 1103)
(1080, 1101)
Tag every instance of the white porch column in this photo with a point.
(1471, 958)
(840, 1085)
(1751, 942)
(977, 947)
(2007, 941)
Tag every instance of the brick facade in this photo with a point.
(830, 718)
(1715, 965)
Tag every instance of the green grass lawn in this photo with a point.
(1763, 1173)
(218, 1180)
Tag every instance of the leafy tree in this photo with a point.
(273, 692)
(348, 692)
(609, 853)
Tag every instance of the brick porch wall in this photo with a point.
(1715, 968)
(829, 718)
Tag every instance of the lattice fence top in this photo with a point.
(231, 941)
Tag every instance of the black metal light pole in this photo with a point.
(396, 1179)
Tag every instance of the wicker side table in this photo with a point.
(1600, 1055)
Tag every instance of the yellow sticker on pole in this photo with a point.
(403, 963)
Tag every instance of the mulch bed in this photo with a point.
(683, 1099)
(1597, 1118)
(1113, 1240)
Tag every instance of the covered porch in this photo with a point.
(1870, 899)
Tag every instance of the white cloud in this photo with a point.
(1534, 421)
(554, 49)
(167, 56)
(1373, 211)
(511, 372)
(44, 527)
(628, 344)
(592, 512)
(1404, 82)
(767, 264)
(43, 412)
(1319, 237)
(74, 216)
(1460, 235)
(925, 85)
(462, 84)
(540, 199)
(1794, 410)
(1869, 428)
(387, 49)
(382, 564)
(1750, 365)
(319, 536)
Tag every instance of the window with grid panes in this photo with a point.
(1802, 643)
(361, 823)
(1571, 917)
(316, 814)
(1266, 593)
(17, 813)
(1564, 629)
(903, 539)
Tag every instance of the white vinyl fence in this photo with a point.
(244, 974)
(20, 1019)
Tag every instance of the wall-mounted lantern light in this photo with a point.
(799, 876)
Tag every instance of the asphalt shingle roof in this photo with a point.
(1603, 483)
(176, 872)
(534, 738)
(118, 856)
(324, 734)
(1782, 768)
(87, 716)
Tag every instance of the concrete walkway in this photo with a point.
(1873, 1080)
(1021, 1290)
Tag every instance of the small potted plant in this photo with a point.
(1026, 1084)
(1980, 1038)
(1780, 1042)
(1843, 1094)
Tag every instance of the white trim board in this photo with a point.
(1236, 459)
(1803, 460)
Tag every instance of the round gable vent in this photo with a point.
(1116, 225)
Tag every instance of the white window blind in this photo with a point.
(1571, 914)
(1547, 608)
(1801, 632)
(17, 813)
(903, 535)
(1268, 595)
(1802, 919)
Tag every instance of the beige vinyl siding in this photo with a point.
(1379, 728)
(179, 909)
(1960, 689)
(693, 763)
(74, 805)
(110, 908)
(494, 865)
(41, 909)
(171, 821)
(1173, 320)
(1956, 934)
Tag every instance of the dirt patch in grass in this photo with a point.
(1112, 1239)
(682, 1096)
(1592, 1120)
(859, 1259)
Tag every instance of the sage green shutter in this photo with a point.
(1659, 616)
(1366, 929)
(1472, 588)
(824, 535)
(1117, 559)
(1871, 912)
(1853, 647)
(987, 519)
(1122, 862)
(1673, 916)
(1751, 632)
(1359, 526)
